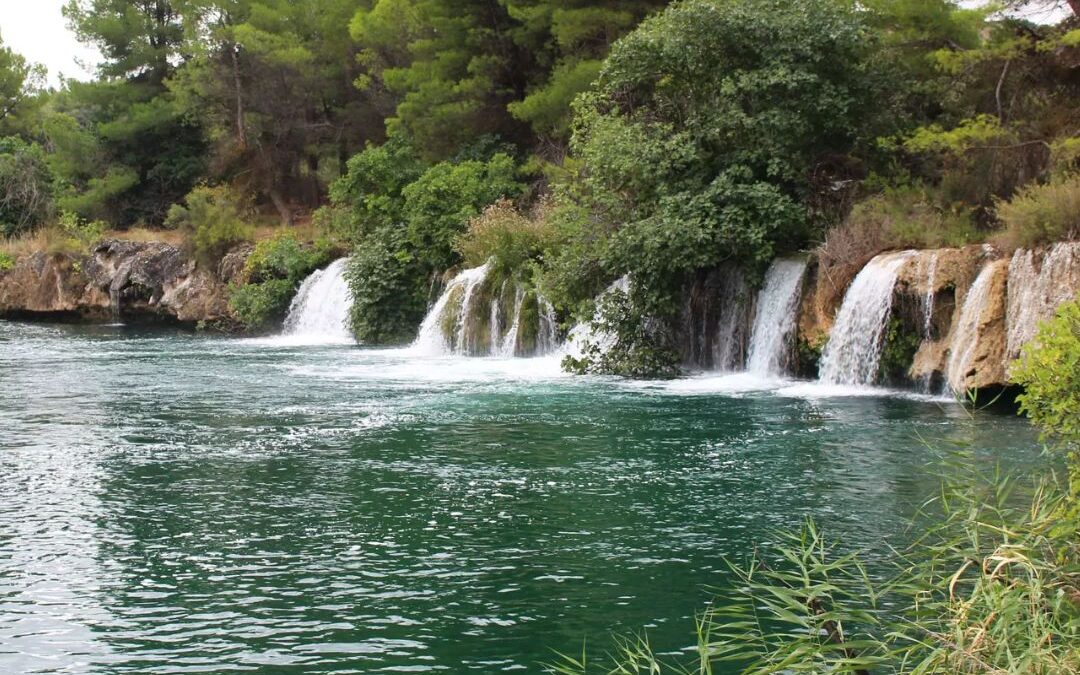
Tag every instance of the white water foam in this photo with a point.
(774, 322)
(319, 314)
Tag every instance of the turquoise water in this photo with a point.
(171, 503)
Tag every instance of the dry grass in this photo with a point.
(48, 239)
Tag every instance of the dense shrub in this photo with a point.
(626, 343)
(389, 288)
(272, 274)
(1049, 371)
(404, 223)
(7, 261)
(285, 257)
(1041, 214)
(26, 199)
(369, 195)
(215, 220)
(441, 202)
(263, 305)
(505, 235)
(699, 144)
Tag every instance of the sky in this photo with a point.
(37, 30)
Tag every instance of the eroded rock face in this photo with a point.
(137, 280)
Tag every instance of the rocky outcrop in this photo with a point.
(121, 279)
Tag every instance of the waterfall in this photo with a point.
(928, 299)
(443, 327)
(733, 322)
(965, 337)
(320, 310)
(774, 323)
(928, 314)
(716, 316)
(856, 340)
(508, 345)
(469, 318)
(587, 331)
(1038, 283)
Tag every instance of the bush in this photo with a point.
(26, 199)
(389, 288)
(86, 233)
(440, 203)
(628, 343)
(698, 145)
(284, 257)
(1049, 371)
(505, 235)
(214, 219)
(272, 273)
(7, 261)
(260, 306)
(368, 196)
(1041, 214)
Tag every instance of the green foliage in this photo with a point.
(20, 85)
(548, 109)
(7, 261)
(85, 232)
(507, 237)
(1041, 214)
(214, 219)
(271, 275)
(260, 306)
(369, 195)
(1049, 371)
(440, 203)
(284, 257)
(389, 288)
(25, 187)
(708, 120)
(898, 351)
(626, 343)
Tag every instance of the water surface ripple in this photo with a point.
(173, 503)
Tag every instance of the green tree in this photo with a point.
(271, 82)
(717, 129)
(123, 150)
(20, 85)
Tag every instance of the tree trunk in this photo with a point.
(1075, 5)
(241, 132)
(282, 207)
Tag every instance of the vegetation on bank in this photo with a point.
(571, 141)
(991, 583)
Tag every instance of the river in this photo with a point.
(177, 503)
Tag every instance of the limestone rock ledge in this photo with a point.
(969, 309)
(149, 281)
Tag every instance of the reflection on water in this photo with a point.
(173, 503)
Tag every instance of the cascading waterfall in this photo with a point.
(320, 310)
(587, 331)
(775, 320)
(470, 315)
(1036, 289)
(928, 313)
(438, 326)
(965, 336)
(729, 350)
(854, 349)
